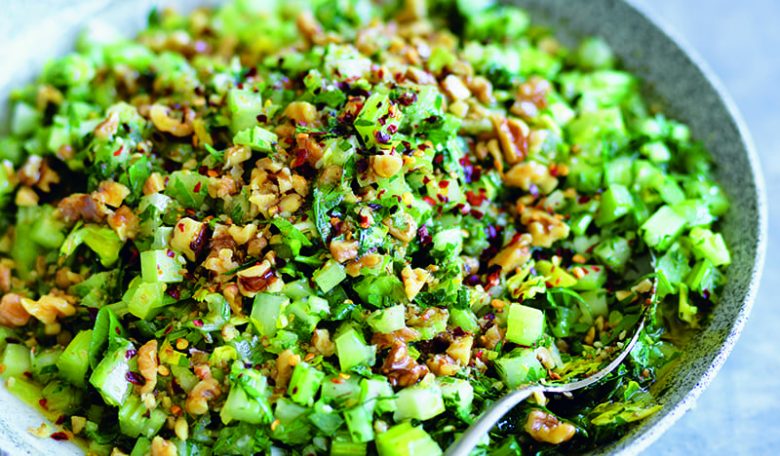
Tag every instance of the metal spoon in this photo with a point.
(482, 426)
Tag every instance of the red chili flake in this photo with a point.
(438, 159)
(480, 354)
(493, 276)
(548, 284)
(43, 402)
(392, 128)
(60, 419)
(118, 152)
(301, 157)
(596, 268)
(60, 436)
(476, 199)
(197, 323)
(134, 378)
(553, 170)
(423, 147)
(197, 187)
(180, 226)
(444, 184)
(442, 198)
(516, 238)
(583, 199)
(426, 179)
(476, 214)
(429, 200)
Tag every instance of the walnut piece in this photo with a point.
(547, 428)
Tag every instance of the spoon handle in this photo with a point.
(474, 434)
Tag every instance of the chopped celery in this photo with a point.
(420, 402)
(110, 375)
(16, 360)
(457, 393)
(243, 407)
(377, 394)
(162, 265)
(614, 252)
(593, 277)
(136, 420)
(615, 203)
(329, 275)
(518, 367)
(709, 245)
(266, 310)
(257, 138)
(344, 448)
(378, 120)
(662, 228)
(353, 351)
(406, 440)
(525, 325)
(388, 320)
(360, 424)
(304, 384)
(245, 105)
(73, 364)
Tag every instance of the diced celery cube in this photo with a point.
(360, 424)
(304, 384)
(163, 265)
(257, 138)
(406, 440)
(420, 402)
(709, 245)
(353, 351)
(613, 252)
(388, 320)
(244, 105)
(615, 203)
(593, 278)
(456, 392)
(662, 228)
(525, 325)
(110, 376)
(329, 275)
(266, 310)
(519, 367)
(16, 360)
(74, 361)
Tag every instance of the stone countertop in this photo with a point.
(739, 414)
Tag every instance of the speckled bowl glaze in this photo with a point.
(33, 32)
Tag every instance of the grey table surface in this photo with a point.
(739, 414)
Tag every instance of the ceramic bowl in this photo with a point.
(33, 32)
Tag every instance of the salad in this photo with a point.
(345, 228)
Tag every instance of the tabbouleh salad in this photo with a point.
(344, 228)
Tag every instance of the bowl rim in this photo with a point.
(641, 441)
